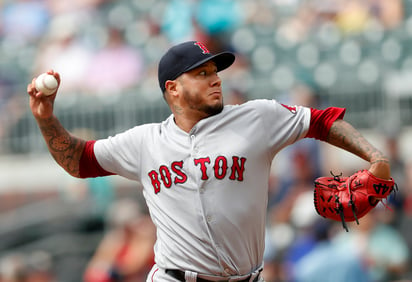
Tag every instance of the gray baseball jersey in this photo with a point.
(207, 190)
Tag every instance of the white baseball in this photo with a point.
(46, 83)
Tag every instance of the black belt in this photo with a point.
(180, 275)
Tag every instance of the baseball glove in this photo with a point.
(350, 198)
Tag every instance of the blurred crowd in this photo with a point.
(105, 48)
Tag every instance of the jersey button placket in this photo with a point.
(193, 147)
(194, 151)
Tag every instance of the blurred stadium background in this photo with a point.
(354, 54)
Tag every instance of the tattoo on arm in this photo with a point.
(380, 161)
(65, 148)
(343, 135)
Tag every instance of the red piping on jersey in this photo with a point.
(88, 165)
(322, 120)
(154, 272)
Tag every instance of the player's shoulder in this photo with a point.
(251, 103)
(269, 107)
(261, 102)
(255, 104)
(138, 131)
(145, 127)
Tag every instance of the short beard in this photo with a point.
(209, 110)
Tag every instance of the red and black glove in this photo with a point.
(350, 198)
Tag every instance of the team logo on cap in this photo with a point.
(202, 47)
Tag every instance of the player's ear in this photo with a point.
(171, 87)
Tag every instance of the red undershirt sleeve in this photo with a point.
(322, 120)
(89, 166)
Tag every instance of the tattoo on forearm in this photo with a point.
(65, 149)
(380, 161)
(343, 135)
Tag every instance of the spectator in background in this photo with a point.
(331, 260)
(374, 251)
(115, 67)
(353, 16)
(407, 207)
(13, 268)
(22, 25)
(77, 6)
(405, 226)
(126, 251)
(208, 21)
(23, 22)
(218, 19)
(382, 247)
(11, 109)
(177, 21)
(398, 172)
(63, 51)
(298, 27)
(389, 13)
(27, 267)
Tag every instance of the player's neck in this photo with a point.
(186, 118)
(186, 124)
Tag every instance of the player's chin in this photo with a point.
(214, 109)
(216, 98)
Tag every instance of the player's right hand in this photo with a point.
(40, 104)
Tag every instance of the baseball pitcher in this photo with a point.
(205, 169)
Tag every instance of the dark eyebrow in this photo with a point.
(205, 66)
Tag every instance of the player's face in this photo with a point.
(202, 89)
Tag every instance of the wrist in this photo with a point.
(380, 168)
(44, 119)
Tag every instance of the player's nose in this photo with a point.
(216, 80)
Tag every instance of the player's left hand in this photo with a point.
(350, 198)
